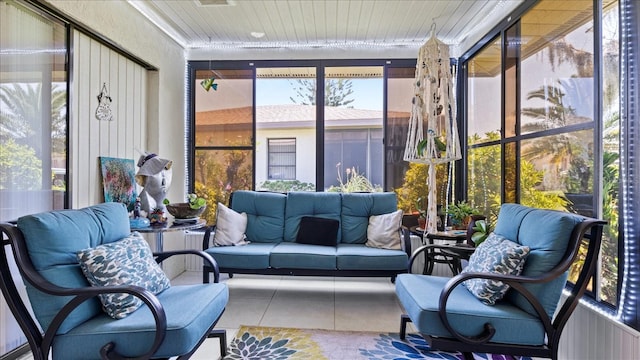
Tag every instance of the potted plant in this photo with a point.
(194, 207)
(480, 231)
(460, 214)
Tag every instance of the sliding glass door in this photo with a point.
(33, 125)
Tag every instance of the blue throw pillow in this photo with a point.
(495, 255)
(318, 231)
(125, 262)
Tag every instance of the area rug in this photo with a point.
(262, 343)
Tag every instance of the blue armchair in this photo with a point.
(170, 323)
(543, 245)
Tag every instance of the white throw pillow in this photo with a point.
(384, 231)
(230, 227)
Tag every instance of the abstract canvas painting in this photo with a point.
(118, 180)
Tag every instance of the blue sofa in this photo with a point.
(273, 225)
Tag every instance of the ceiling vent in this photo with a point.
(215, 2)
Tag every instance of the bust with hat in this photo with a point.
(154, 175)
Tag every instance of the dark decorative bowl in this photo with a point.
(184, 211)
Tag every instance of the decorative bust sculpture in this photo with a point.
(154, 176)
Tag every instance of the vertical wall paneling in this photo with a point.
(95, 64)
(590, 335)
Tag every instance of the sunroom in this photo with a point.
(311, 95)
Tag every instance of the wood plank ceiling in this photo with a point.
(320, 23)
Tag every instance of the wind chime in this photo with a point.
(433, 133)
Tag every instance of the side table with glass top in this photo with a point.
(159, 230)
(444, 253)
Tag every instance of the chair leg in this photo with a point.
(468, 356)
(221, 334)
(404, 319)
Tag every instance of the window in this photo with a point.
(262, 128)
(33, 124)
(556, 151)
(282, 159)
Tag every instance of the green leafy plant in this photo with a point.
(195, 202)
(460, 211)
(356, 182)
(481, 230)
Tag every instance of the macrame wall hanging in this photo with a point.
(433, 133)
(103, 112)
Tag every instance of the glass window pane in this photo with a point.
(557, 65)
(286, 107)
(483, 93)
(611, 170)
(33, 127)
(224, 117)
(399, 89)
(217, 173)
(353, 128)
(553, 166)
(484, 179)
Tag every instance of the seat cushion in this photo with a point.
(361, 257)
(134, 334)
(356, 210)
(53, 238)
(547, 234)
(265, 214)
(288, 255)
(250, 256)
(419, 295)
(317, 204)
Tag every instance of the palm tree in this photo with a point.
(22, 118)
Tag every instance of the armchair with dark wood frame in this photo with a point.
(447, 325)
(159, 328)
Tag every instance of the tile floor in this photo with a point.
(356, 304)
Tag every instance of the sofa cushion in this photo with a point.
(513, 325)
(230, 227)
(361, 257)
(265, 214)
(384, 231)
(356, 210)
(319, 204)
(52, 240)
(125, 262)
(133, 334)
(288, 255)
(318, 231)
(251, 256)
(494, 255)
(547, 234)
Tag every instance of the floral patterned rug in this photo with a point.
(262, 343)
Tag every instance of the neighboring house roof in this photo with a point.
(294, 116)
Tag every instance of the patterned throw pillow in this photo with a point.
(495, 255)
(125, 262)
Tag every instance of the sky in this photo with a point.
(367, 93)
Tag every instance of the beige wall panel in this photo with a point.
(95, 65)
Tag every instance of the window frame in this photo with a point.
(270, 165)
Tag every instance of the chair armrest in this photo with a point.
(423, 248)
(85, 293)
(207, 237)
(160, 257)
(406, 238)
(515, 282)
